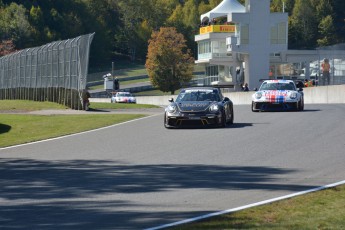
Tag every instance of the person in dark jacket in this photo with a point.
(245, 87)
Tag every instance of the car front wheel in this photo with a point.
(301, 105)
(223, 120)
(231, 121)
(165, 122)
(254, 107)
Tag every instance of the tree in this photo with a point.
(137, 18)
(277, 6)
(325, 18)
(323, 9)
(303, 29)
(14, 24)
(6, 47)
(169, 64)
(327, 31)
(339, 19)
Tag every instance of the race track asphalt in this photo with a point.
(139, 175)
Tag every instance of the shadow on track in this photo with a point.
(97, 110)
(63, 194)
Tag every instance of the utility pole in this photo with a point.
(112, 69)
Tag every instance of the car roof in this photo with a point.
(278, 81)
(200, 88)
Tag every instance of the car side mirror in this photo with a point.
(255, 89)
(171, 100)
(300, 89)
(226, 99)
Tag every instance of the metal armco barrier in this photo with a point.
(53, 72)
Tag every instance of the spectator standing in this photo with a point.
(116, 85)
(245, 87)
(325, 71)
(86, 103)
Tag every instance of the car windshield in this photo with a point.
(198, 95)
(124, 95)
(277, 86)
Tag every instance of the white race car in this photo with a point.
(123, 97)
(278, 95)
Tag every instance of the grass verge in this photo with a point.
(318, 210)
(23, 128)
(25, 105)
(100, 105)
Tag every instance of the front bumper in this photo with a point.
(273, 106)
(126, 101)
(192, 120)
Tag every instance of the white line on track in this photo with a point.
(75, 134)
(247, 206)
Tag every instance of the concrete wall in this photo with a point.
(325, 94)
(313, 95)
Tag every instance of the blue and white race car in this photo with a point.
(278, 95)
(123, 97)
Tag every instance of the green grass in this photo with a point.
(101, 83)
(135, 81)
(130, 70)
(138, 70)
(120, 64)
(24, 105)
(318, 210)
(99, 105)
(23, 128)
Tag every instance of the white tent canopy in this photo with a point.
(223, 9)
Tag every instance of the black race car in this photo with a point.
(199, 106)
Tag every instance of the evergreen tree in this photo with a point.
(303, 29)
(323, 9)
(327, 31)
(339, 19)
(277, 6)
(137, 17)
(326, 28)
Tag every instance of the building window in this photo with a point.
(244, 37)
(222, 47)
(278, 34)
(212, 71)
(204, 47)
(215, 47)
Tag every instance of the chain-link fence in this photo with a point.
(53, 72)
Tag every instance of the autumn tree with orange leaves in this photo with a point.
(169, 63)
(6, 47)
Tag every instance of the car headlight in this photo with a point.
(258, 95)
(293, 95)
(214, 108)
(171, 108)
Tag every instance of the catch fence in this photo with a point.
(55, 72)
